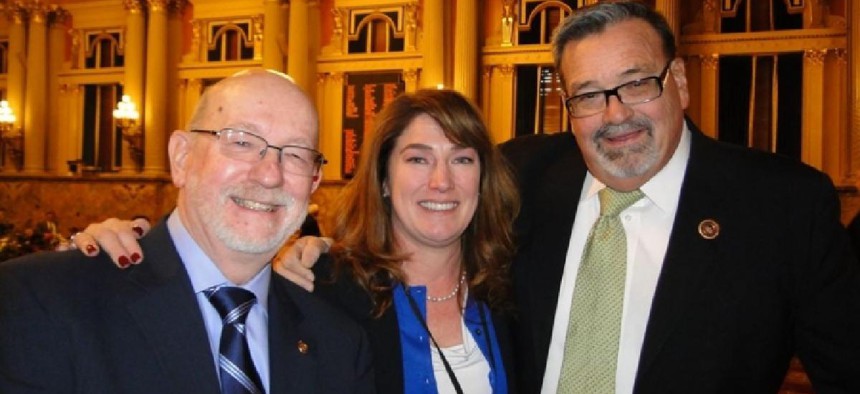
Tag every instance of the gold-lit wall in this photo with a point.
(65, 63)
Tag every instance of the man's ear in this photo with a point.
(178, 148)
(679, 74)
(317, 179)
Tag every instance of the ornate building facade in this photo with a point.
(777, 75)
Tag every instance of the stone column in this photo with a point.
(193, 91)
(670, 10)
(854, 78)
(135, 37)
(710, 95)
(502, 103)
(36, 98)
(174, 57)
(273, 26)
(57, 141)
(410, 80)
(834, 109)
(16, 71)
(433, 44)
(812, 137)
(298, 66)
(331, 127)
(466, 49)
(155, 94)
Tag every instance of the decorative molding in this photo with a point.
(762, 42)
(59, 16)
(157, 5)
(336, 77)
(486, 72)
(710, 62)
(133, 6)
(815, 57)
(17, 12)
(38, 11)
(506, 69)
(841, 55)
(410, 75)
(175, 7)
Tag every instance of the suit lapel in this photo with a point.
(549, 242)
(292, 370)
(161, 301)
(690, 257)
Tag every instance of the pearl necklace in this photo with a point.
(452, 293)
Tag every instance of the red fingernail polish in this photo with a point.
(123, 261)
(138, 230)
(135, 257)
(90, 249)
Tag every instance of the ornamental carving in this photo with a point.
(710, 62)
(506, 69)
(133, 6)
(38, 11)
(815, 56)
(59, 16)
(410, 75)
(157, 5)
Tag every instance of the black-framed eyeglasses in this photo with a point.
(630, 93)
(249, 147)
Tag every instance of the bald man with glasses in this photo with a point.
(205, 314)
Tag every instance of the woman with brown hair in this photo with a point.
(423, 243)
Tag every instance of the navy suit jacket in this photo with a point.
(728, 313)
(71, 324)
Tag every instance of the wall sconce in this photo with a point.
(12, 139)
(126, 117)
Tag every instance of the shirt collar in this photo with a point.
(202, 270)
(663, 188)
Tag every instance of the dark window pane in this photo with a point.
(734, 91)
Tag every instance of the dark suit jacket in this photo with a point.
(70, 324)
(728, 313)
(854, 233)
(384, 332)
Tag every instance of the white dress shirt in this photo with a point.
(648, 225)
(204, 274)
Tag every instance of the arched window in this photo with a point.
(230, 41)
(376, 33)
(103, 50)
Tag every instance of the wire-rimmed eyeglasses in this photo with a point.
(249, 147)
(630, 93)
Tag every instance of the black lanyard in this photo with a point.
(420, 318)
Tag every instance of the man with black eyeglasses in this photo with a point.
(653, 259)
(205, 314)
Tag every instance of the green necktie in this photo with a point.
(591, 347)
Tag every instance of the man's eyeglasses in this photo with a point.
(251, 148)
(630, 93)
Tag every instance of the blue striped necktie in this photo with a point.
(238, 374)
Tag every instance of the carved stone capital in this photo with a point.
(133, 6)
(176, 6)
(157, 5)
(59, 16)
(336, 77)
(710, 62)
(38, 11)
(410, 75)
(815, 56)
(17, 12)
(506, 69)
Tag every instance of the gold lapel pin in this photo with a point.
(709, 229)
(302, 346)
